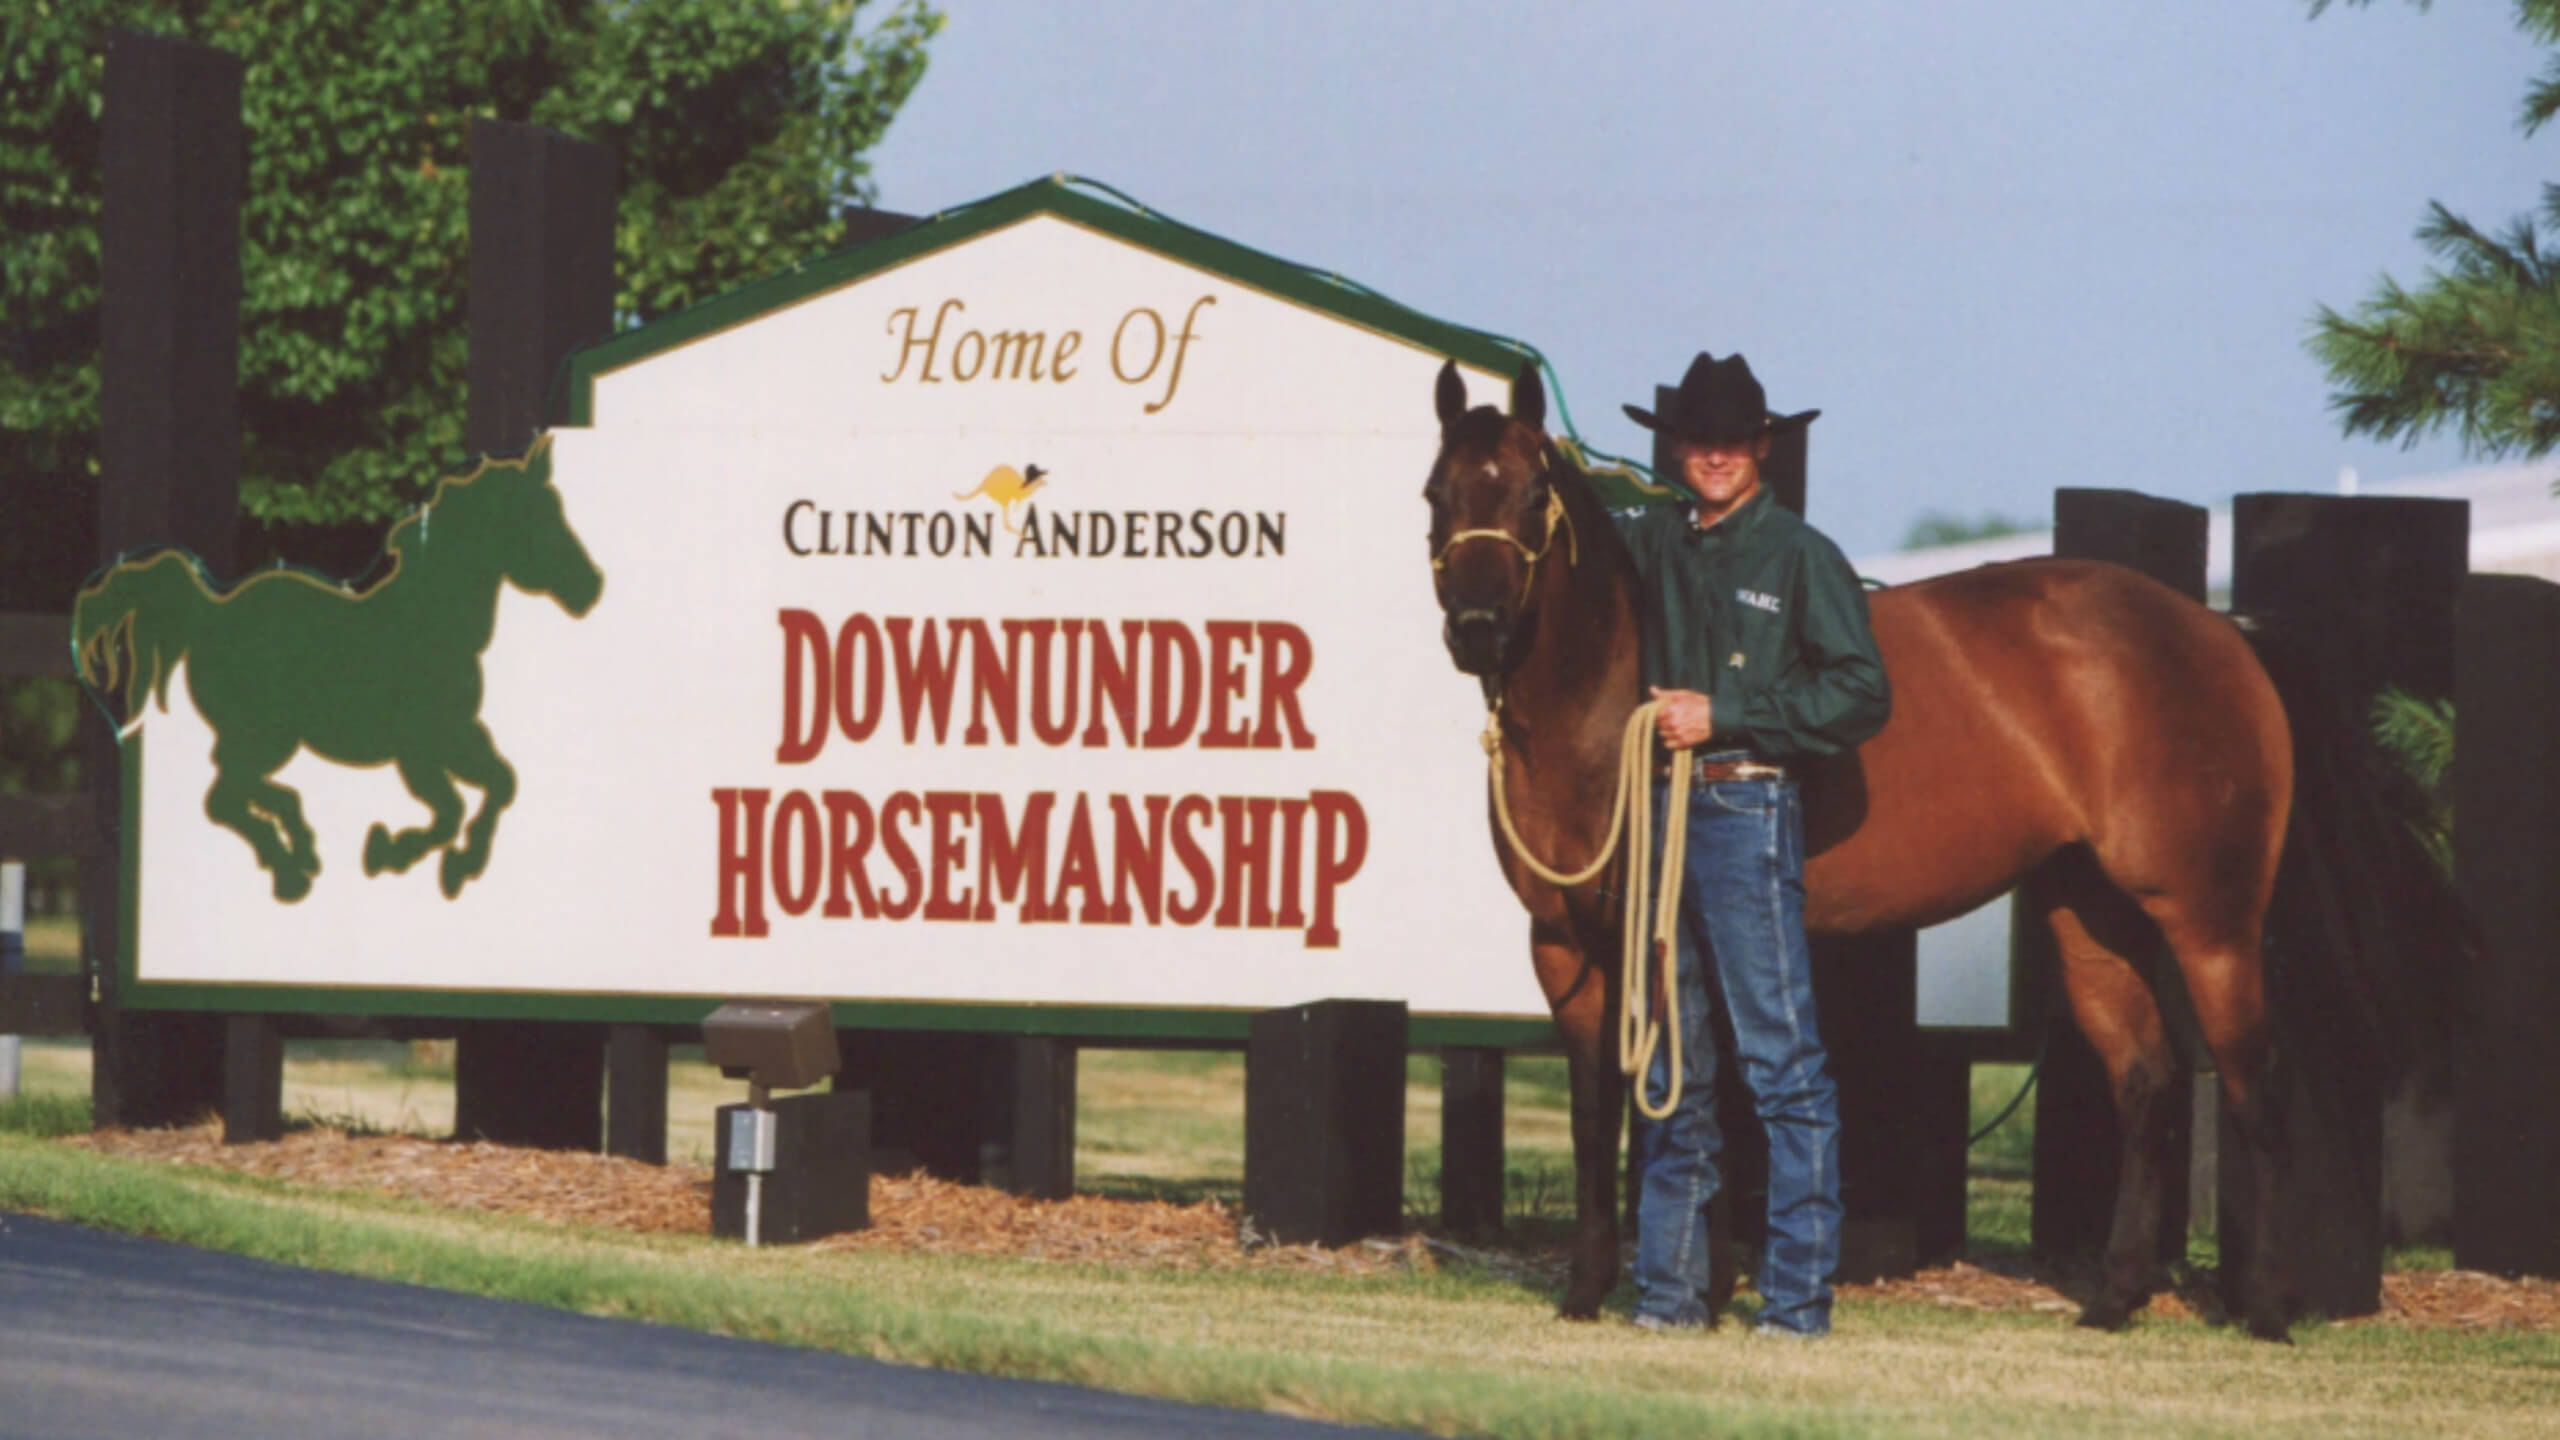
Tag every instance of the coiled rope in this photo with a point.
(1648, 934)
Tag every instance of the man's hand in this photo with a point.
(1686, 718)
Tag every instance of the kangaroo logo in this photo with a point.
(1007, 487)
(389, 675)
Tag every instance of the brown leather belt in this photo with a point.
(1710, 772)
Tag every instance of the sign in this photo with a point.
(1032, 609)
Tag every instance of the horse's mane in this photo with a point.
(1594, 527)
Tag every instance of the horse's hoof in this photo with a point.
(2269, 1327)
(460, 868)
(292, 885)
(377, 851)
(1580, 1313)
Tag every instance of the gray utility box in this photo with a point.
(820, 1183)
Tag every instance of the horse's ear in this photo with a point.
(1451, 395)
(1529, 397)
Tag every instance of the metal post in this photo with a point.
(13, 958)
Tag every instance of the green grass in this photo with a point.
(53, 944)
(1449, 1353)
(44, 1115)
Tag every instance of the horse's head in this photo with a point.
(528, 529)
(1495, 514)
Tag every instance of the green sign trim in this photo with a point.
(1224, 258)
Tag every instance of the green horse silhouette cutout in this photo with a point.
(386, 675)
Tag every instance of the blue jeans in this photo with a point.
(1742, 923)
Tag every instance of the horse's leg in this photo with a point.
(269, 816)
(427, 780)
(475, 761)
(2096, 928)
(1577, 991)
(2226, 981)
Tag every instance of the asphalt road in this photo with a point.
(111, 1336)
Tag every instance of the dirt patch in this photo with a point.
(908, 1212)
(918, 1213)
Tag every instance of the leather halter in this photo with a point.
(1556, 520)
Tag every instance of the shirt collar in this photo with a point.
(1739, 521)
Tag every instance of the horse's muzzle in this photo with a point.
(1475, 640)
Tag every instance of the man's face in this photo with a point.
(1723, 476)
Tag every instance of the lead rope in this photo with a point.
(1649, 929)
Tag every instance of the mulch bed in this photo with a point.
(917, 1213)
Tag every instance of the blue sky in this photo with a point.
(2003, 246)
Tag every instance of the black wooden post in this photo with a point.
(541, 281)
(2078, 1161)
(937, 1097)
(2364, 591)
(1867, 994)
(635, 1102)
(1471, 1160)
(536, 1083)
(541, 284)
(2506, 1042)
(1940, 1100)
(1044, 1117)
(169, 456)
(252, 1080)
(1324, 1121)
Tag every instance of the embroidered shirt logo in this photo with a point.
(1757, 600)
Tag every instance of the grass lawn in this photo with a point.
(1453, 1351)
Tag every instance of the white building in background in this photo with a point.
(2515, 530)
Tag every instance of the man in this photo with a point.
(1758, 648)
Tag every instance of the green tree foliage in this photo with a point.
(1940, 527)
(741, 126)
(2476, 346)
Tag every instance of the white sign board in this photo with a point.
(1042, 618)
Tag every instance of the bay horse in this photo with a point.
(285, 661)
(2068, 727)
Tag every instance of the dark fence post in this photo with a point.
(1324, 1121)
(1044, 1117)
(2364, 592)
(1867, 994)
(252, 1080)
(1471, 1160)
(541, 284)
(1940, 1102)
(169, 458)
(635, 1101)
(536, 1083)
(2079, 1156)
(2506, 1042)
(941, 1100)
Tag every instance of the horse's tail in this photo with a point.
(130, 628)
(2367, 930)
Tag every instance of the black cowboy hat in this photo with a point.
(1719, 403)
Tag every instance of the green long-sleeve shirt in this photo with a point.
(1764, 616)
